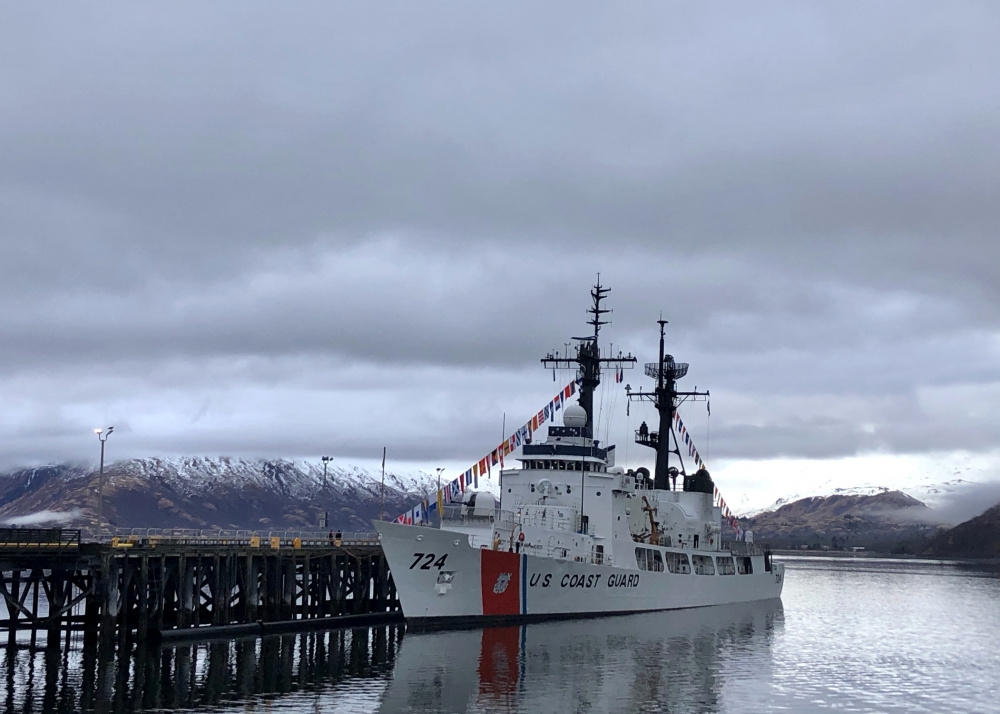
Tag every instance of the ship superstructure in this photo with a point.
(575, 534)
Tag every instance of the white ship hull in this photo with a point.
(440, 577)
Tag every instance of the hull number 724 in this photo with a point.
(429, 561)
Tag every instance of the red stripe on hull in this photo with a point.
(501, 581)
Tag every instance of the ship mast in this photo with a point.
(666, 399)
(588, 359)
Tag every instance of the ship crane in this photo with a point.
(654, 529)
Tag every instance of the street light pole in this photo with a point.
(440, 499)
(326, 514)
(102, 436)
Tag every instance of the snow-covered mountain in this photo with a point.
(934, 493)
(885, 520)
(202, 492)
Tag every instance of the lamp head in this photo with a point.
(98, 431)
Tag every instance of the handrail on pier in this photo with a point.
(41, 538)
(151, 537)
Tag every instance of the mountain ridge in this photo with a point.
(888, 520)
(208, 492)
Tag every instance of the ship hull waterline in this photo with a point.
(443, 581)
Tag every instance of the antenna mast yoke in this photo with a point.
(588, 358)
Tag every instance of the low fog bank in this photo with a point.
(966, 503)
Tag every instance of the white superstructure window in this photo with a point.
(703, 565)
(678, 563)
(725, 565)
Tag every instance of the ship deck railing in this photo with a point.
(554, 552)
(538, 515)
(459, 514)
(531, 517)
(738, 547)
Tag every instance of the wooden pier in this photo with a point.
(168, 584)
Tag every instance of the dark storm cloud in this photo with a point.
(229, 206)
(489, 126)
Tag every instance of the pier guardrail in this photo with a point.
(151, 537)
(42, 538)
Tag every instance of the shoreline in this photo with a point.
(871, 554)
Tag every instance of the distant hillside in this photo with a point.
(205, 493)
(978, 537)
(887, 520)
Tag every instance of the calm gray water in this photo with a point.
(851, 635)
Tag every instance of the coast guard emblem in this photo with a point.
(502, 582)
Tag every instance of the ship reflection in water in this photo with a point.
(675, 661)
(598, 664)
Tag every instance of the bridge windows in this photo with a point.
(557, 465)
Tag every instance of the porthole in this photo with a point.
(598, 493)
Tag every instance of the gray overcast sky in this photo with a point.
(234, 228)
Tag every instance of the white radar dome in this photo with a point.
(575, 415)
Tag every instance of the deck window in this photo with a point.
(678, 563)
(703, 565)
(725, 565)
(649, 559)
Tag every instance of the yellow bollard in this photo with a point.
(297, 543)
(275, 541)
(255, 541)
